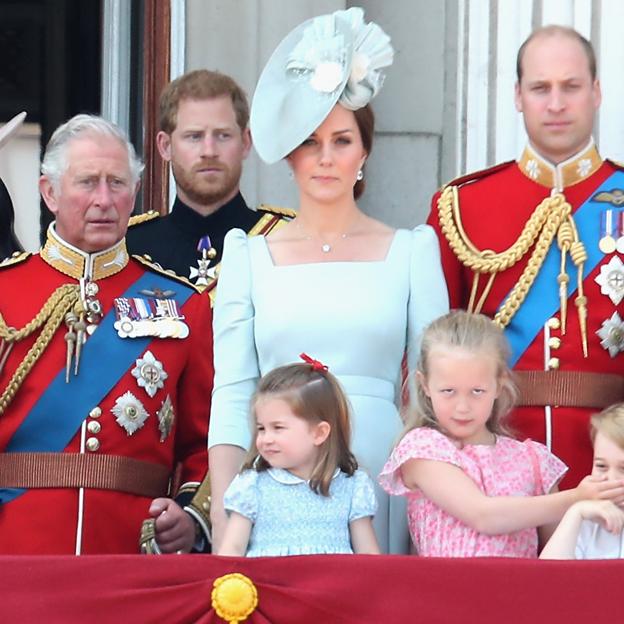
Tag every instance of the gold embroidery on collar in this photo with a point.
(571, 171)
(71, 261)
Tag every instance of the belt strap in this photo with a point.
(569, 388)
(73, 470)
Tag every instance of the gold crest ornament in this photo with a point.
(234, 597)
(149, 373)
(166, 418)
(611, 280)
(129, 412)
(611, 334)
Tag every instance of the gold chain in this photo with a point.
(541, 229)
(50, 317)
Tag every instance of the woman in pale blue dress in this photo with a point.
(333, 282)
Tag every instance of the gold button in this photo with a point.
(94, 426)
(206, 505)
(554, 342)
(554, 323)
(96, 412)
(553, 363)
(93, 444)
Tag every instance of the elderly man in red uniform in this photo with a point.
(105, 370)
(537, 245)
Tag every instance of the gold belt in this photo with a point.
(569, 388)
(73, 470)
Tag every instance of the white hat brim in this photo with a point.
(286, 110)
(11, 127)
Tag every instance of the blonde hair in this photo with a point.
(609, 422)
(475, 333)
(315, 396)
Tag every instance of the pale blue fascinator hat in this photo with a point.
(329, 59)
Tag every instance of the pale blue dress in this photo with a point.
(358, 318)
(289, 518)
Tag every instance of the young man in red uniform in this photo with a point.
(105, 370)
(534, 244)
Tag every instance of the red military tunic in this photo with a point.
(89, 520)
(494, 206)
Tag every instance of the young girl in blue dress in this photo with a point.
(300, 491)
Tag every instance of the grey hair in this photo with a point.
(54, 163)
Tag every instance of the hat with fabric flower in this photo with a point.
(329, 59)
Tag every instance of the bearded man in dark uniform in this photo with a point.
(204, 134)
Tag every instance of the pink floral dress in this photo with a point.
(506, 468)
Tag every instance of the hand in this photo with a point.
(604, 512)
(600, 488)
(175, 529)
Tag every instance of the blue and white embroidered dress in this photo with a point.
(289, 518)
(358, 318)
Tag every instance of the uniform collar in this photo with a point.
(189, 220)
(76, 263)
(575, 169)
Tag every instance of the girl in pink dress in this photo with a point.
(472, 489)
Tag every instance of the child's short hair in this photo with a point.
(609, 422)
(474, 333)
(315, 395)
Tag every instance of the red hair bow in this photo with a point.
(315, 364)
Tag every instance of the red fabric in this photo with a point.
(331, 589)
(44, 521)
(494, 209)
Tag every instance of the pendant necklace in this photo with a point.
(326, 247)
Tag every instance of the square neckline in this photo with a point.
(385, 259)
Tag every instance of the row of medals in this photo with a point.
(611, 278)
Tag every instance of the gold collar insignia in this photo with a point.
(569, 172)
(76, 263)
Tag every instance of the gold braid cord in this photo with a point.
(49, 318)
(552, 218)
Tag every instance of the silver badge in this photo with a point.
(611, 334)
(165, 418)
(149, 373)
(611, 280)
(129, 412)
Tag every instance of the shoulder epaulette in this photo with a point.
(278, 210)
(148, 263)
(143, 217)
(477, 175)
(17, 258)
(273, 217)
(616, 164)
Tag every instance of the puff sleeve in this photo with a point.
(235, 356)
(242, 495)
(363, 501)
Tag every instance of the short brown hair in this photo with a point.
(565, 31)
(365, 119)
(200, 84)
(609, 422)
(315, 396)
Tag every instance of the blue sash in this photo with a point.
(542, 301)
(56, 417)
